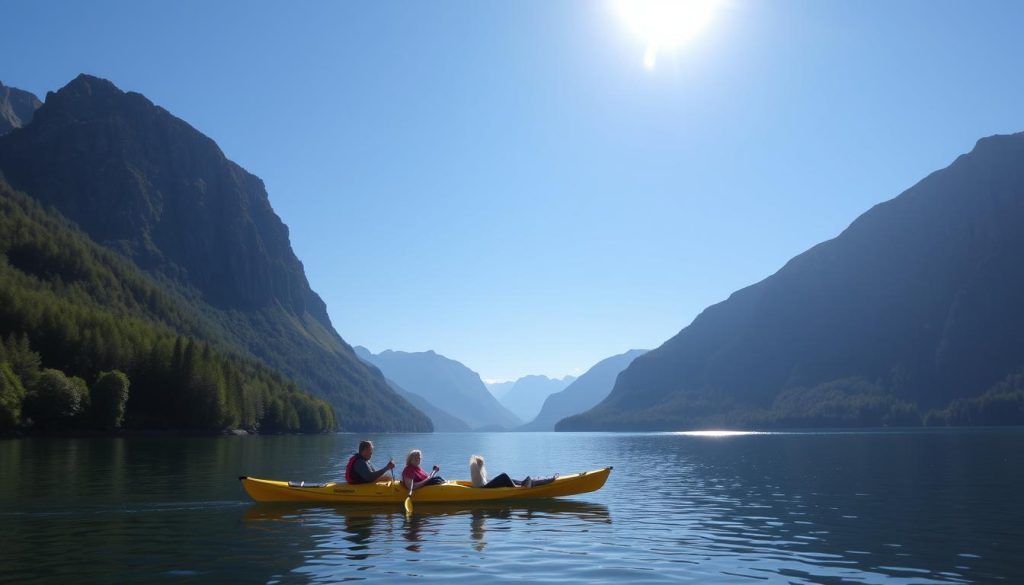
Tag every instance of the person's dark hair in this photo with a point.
(363, 445)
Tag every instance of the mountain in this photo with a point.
(151, 187)
(446, 384)
(443, 422)
(499, 389)
(71, 310)
(584, 393)
(528, 393)
(17, 107)
(914, 310)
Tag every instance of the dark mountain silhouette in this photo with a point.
(17, 107)
(584, 392)
(917, 307)
(528, 393)
(151, 187)
(446, 384)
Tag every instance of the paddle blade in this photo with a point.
(408, 506)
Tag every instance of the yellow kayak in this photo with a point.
(392, 492)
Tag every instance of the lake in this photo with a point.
(919, 506)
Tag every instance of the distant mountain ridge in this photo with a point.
(915, 310)
(583, 393)
(499, 389)
(445, 383)
(443, 421)
(528, 393)
(17, 107)
(148, 185)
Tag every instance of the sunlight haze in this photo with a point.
(518, 192)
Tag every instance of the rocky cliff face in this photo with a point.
(17, 107)
(140, 180)
(916, 305)
(148, 185)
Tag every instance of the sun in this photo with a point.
(665, 24)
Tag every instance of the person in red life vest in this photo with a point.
(360, 470)
(413, 475)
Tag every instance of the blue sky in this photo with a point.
(507, 184)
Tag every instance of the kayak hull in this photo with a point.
(392, 492)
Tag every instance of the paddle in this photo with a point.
(408, 499)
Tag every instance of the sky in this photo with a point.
(508, 184)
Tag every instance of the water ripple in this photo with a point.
(908, 508)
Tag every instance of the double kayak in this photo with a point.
(393, 492)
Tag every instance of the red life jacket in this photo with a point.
(349, 477)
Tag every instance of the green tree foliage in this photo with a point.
(12, 393)
(72, 306)
(851, 402)
(55, 401)
(1003, 404)
(24, 362)
(109, 399)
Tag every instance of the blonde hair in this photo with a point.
(413, 453)
(477, 471)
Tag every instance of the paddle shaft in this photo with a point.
(408, 499)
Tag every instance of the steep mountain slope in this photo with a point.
(17, 107)
(69, 304)
(446, 384)
(528, 393)
(584, 393)
(916, 305)
(151, 187)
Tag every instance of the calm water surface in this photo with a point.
(940, 506)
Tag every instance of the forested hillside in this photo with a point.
(151, 187)
(69, 306)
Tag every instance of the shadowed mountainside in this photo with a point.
(151, 187)
(17, 107)
(584, 392)
(914, 310)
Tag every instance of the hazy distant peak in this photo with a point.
(446, 384)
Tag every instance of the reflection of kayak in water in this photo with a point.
(391, 492)
(524, 509)
(361, 523)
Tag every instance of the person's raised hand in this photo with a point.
(436, 468)
(391, 464)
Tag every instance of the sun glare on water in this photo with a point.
(665, 24)
(718, 433)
